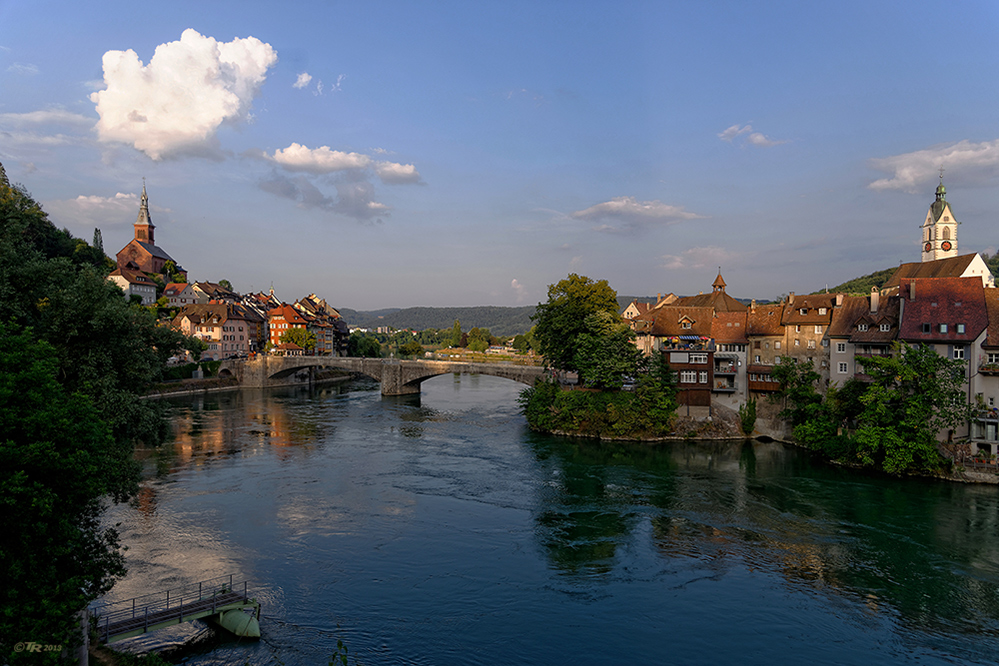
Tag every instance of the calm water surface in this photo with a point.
(438, 530)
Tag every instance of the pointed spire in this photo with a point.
(941, 190)
(144, 227)
(719, 283)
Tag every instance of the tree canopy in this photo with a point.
(560, 320)
(300, 337)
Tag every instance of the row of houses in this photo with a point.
(724, 351)
(237, 326)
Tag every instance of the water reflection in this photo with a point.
(926, 550)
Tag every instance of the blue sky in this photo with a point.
(390, 154)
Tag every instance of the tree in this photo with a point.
(299, 336)
(560, 320)
(797, 389)
(58, 461)
(225, 284)
(411, 348)
(605, 353)
(98, 243)
(456, 336)
(362, 345)
(913, 395)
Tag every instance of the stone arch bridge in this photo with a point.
(396, 377)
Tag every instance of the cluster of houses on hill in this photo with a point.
(724, 351)
(231, 325)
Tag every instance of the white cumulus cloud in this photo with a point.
(626, 213)
(96, 211)
(911, 171)
(297, 157)
(303, 80)
(176, 104)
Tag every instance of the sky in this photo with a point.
(397, 154)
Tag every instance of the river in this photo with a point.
(437, 529)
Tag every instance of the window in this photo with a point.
(685, 324)
(843, 368)
(926, 328)
(822, 311)
(884, 328)
(960, 328)
(688, 376)
(958, 352)
(756, 345)
(862, 327)
(704, 377)
(818, 330)
(698, 358)
(825, 343)
(756, 359)
(992, 401)
(777, 344)
(766, 345)
(811, 344)
(797, 328)
(840, 347)
(797, 342)
(992, 357)
(943, 328)
(803, 311)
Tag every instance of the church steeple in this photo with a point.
(144, 227)
(939, 231)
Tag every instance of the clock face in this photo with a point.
(927, 247)
(945, 246)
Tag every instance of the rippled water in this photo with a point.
(438, 530)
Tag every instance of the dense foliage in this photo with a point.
(364, 345)
(890, 422)
(74, 357)
(502, 321)
(300, 337)
(563, 318)
(862, 285)
(647, 411)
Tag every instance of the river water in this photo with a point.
(437, 529)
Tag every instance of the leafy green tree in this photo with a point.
(797, 392)
(605, 352)
(411, 348)
(520, 342)
(58, 461)
(913, 395)
(225, 284)
(456, 335)
(362, 345)
(560, 320)
(300, 337)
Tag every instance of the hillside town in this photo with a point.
(229, 324)
(724, 351)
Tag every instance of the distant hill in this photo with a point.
(862, 286)
(500, 321)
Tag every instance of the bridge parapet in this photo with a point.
(397, 377)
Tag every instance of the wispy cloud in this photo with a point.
(303, 80)
(354, 199)
(698, 257)
(176, 104)
(622, 214)
(22, 69)
(519, 289)
(912, 171)
(97, 211)
(45, 117)
(752, 138)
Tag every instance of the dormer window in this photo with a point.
(960, 328)
(926, 328)
(862, 327)
(822, 311)
(802, 311)
(884, 328)
(685, 324)
(943, 328)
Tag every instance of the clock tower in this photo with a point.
(940, 228)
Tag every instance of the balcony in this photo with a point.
(988, 369)
(724, 386)
(725, 369)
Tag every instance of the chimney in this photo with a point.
(752, 305)
(875, 299)
(790, 298)
(912, 290)
(839, 300)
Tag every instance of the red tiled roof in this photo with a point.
(765, 320)
(666, 321)
(992, 308)
(941, 268)
(845, 317)
(936, 301)
(729, 327)
(810, 304)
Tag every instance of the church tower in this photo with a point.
(144, 228)
(940, 228)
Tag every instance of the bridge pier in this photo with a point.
(394, 382)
